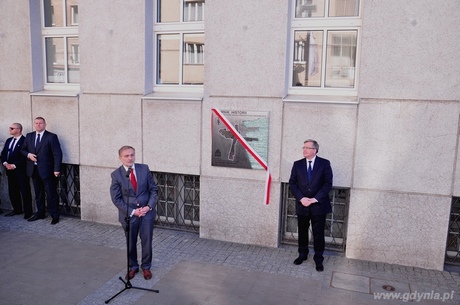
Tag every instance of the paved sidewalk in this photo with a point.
(78, 262)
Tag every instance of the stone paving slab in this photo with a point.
(206, 284)
(350, 282)
(37, 270)
(80, 262)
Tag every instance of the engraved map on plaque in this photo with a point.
(227, 151)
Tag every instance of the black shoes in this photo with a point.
(319, 267)
(54, 221)
(300, 260)
(36, 217)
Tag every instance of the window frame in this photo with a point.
(65, 32)
(326, 25)
(180, 28)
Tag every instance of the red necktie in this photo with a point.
(134, 181)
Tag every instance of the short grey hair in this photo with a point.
(315, 144)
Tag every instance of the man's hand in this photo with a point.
(9, 166)
(140, 212)
(306, 202)
(32, 157)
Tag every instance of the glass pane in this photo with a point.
(309, 8)
(55, 60)
(193, 10)
(307, 60)
(343, 8)
(169, 10)
(193, 67)
(54, 13)
(341, 59)
(168, 59)
(73, 60)
(72, 12)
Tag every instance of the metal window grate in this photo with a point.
(69, 190)
(453, 236)
(336, 222)
(178, 205)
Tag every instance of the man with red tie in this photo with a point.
(310, 183)
(134, 193)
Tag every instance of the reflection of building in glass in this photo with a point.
(61, 41)
(337, 70)
(180, 42)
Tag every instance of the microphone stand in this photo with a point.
(127, 230)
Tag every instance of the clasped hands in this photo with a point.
(307, 201)
(9, 166)
(139, 212)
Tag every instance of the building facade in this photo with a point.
(376, 83)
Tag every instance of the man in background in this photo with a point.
(44, 158)
(18, 182)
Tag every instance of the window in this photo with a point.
(61, 43)
(178, 204)
(453, 234)
(179, 37)
(325, 37)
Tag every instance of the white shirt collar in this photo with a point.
(312, 161)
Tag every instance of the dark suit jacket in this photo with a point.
(15, 156)
(49, 154)
(121, 190)
(318, 188)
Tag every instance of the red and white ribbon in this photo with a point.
(249, 149)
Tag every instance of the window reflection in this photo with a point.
(308, 47)
(193, 67)
(179, 36)
(168, 59)
(341, 59)
(309, 8)
(344, 8)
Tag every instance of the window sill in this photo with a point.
(174, 96)
(68, 93)
(349, 100)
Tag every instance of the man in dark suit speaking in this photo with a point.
(134, 193)
(310, 183)
(44, 158)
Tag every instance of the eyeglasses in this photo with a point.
(11, 128)
(308, 148)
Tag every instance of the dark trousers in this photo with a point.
(142, 227)
(318, 223)
(46, 187)
(19, 192)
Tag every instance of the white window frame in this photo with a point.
(63, 32)
(180, 28)
(324, 24)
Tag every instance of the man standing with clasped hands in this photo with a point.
(134, 193)
(310, 183)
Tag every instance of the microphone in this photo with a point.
(130, 169)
